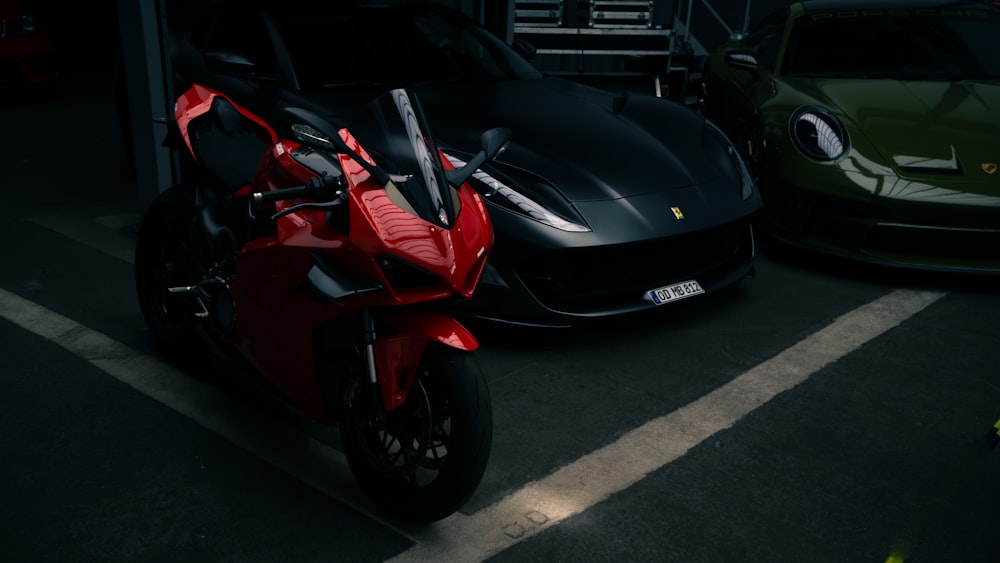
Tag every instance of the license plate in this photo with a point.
(674, 292)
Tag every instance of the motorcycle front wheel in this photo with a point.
(424, 461)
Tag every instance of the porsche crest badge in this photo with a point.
(677, 212)
(989, 167)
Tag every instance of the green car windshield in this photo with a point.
(926, 44)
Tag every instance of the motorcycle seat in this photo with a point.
(228, 145)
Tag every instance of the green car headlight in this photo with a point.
(818, 133)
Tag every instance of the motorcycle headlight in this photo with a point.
(402, 273)
(505, 196)
(727, 156)
(818, 133)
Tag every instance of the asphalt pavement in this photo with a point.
(822, 411)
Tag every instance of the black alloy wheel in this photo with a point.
(427, 457)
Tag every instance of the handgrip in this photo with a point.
(284, 193)
(313, 188)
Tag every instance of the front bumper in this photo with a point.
(923, 225)
(561, 287)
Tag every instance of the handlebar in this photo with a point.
(315, 188)
(277, 195)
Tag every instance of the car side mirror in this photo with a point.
(494, 141)
(743, 58)
(234, 64)
(225, 62)
(524, 48)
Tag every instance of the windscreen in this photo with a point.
(395, 134)
(918, 44)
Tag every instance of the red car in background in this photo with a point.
(27, 51)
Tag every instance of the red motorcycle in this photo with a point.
(321, 261)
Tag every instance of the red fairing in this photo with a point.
(453, 254)
(400, 354)
(380, 227)
(329, 274)
(277, 317)
(197, 100)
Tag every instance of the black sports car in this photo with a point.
(603, 204)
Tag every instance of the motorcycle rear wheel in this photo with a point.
(429, 456)
(164, 258)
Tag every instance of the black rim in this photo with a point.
(412, 444)
(173, 265)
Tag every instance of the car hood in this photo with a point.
(927, 127)
(589, 144)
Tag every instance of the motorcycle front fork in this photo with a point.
(368, 341)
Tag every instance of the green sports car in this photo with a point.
(873, 129)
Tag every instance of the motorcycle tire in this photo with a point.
(417, 467)
(163, 259)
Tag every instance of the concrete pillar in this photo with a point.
(150, 102)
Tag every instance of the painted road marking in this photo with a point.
(538, 505)
(580, 485)
(290, 449)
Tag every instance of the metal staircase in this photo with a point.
(647, 44)
(588, 39)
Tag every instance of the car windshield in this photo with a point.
(334, 47)
(925, 44)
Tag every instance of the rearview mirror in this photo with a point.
(314, 130)
(524, 48)
(234, 64)
(492, 143)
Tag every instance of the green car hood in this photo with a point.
(948, 130)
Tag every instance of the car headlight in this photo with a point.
(23, 26)
(729, 157)
(818, 133)
(503, 195)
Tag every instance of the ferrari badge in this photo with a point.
(679, 215)
(989, 167)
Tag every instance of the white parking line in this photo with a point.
(595, 477)
(538, 505)
(290, 449)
